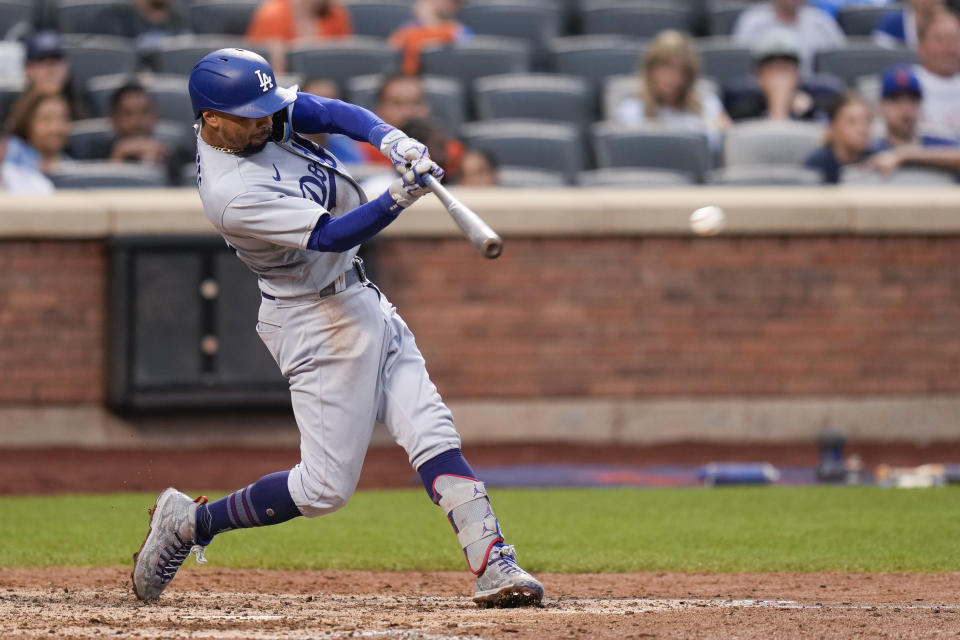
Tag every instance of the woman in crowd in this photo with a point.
(40, 124)
(848, 138)
(669, 93)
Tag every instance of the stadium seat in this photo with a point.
(228, 17)
(340, 60)
(10, 90)
(596, 57)
(94, 174)
(652, 148)
(532, 20)
(860, 57)
(378, 18)
(765, 175)
(16, 16)
(534, 96)
(178, 54)
(445, 95)
(905, 176)
(639, 20)
(91, 56)
(550, 146)
(724, 60)
(527, 178)
(477, 57)
(722, 15)
(103, 17)
(12, 56)
(761, 142)
(92, 139)
(633, 178)
(861, 19)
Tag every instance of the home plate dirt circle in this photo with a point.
(291, 605)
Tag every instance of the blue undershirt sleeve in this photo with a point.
(354, 227)
(313, 114)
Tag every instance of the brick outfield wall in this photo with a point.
(610, 317)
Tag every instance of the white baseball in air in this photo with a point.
(708, 221)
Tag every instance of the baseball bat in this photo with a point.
(478, 232)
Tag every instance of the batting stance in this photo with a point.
(296, 217)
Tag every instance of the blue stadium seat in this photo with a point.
(769, 142)
(16, 18)
(724, 60)
(91, 56)
(103, 17)
(94, 174)
(765, 175)
(651, 148)
(634, 178)
(342, 59)
(535, 96)
(532, 20)
(640, 20)
(477, 57)
(549, 146)
(227, 17)
(596, 57)
(860, 57)
(722, 15)
(378, 18)
(526, 178)
(178, 54)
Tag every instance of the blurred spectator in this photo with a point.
(899, 28)
(848, 138)
(900, 103)
(814, 29)
(401, 98)
(18, 179)
(435, 23)
(939, 72)
(478, 169)
(445, 150)
(40, 124)
(288, 20)
(669, 93)
(47, 70)
(147, 21)
(776, 91)
(345, 149)
(134, 119)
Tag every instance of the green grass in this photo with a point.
(721, 530)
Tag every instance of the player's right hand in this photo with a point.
(410, 187)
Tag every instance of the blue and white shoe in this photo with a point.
(168, 543)
(504, 584)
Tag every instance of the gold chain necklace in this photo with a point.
(225, 150)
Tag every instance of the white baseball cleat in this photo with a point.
(168, 543)
(504, 584)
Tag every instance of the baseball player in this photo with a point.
(296, 217)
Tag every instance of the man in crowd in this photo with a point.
(939, 73)
(903, 144)
(814, 29)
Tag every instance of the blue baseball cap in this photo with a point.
(900, 79)
(43, 45)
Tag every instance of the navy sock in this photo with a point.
(267, 501)
(448, 463)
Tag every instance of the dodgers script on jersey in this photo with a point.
(266, 205)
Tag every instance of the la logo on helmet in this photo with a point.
(266, 82)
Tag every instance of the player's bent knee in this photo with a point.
(316, 496)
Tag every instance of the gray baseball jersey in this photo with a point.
(267, 204)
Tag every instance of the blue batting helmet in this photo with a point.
(238, 82)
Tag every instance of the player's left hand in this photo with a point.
(405, 152)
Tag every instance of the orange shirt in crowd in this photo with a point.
(413, 39)
(274, 20)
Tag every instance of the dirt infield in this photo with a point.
(268, 605)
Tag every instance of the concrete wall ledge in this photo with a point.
(918, 419)
(555, 212)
